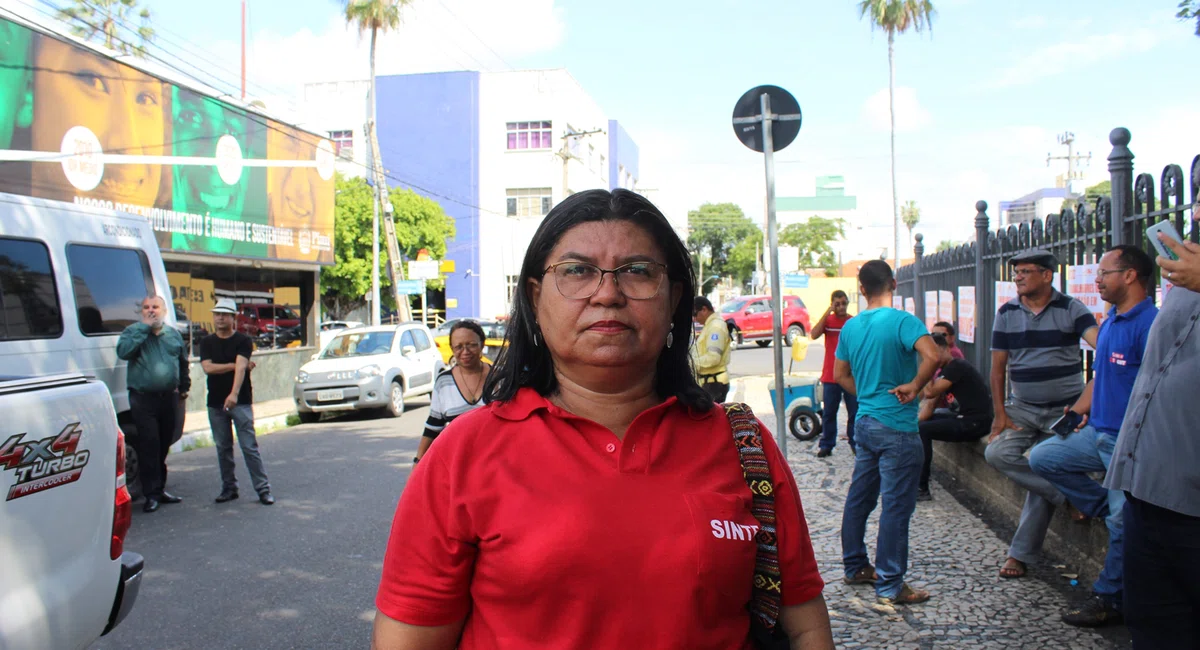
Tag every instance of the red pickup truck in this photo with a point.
(256, 318)
(749, 319)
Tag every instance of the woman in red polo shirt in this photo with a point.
(598, 500)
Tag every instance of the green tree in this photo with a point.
(911, 215)
(945, 245)
(896, 17)
(743, 257)
(812, 238)
(1103, 188)
(102, 20)
(1189, 9)
(373, 17)
(420, 223)
(718, 227)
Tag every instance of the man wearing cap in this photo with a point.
(711, 352)
(1035, 342)
(225, 358)
(158, 381)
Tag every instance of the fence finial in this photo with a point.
(919, 248)
(1120, 171)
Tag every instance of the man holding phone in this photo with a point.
(225, 357)
(1035, 342)
(1156, 463)
(1081, 445)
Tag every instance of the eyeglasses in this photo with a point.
(465, 346)
(1101, 273)
(580, 280)
(1021, 273)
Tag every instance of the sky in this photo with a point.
(979, 100)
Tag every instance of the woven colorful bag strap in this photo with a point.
(768, 582)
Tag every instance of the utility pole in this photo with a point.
(243, 50)
(395, 264)
(1067, 139)
(567, 156)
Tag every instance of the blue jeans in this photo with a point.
(832, 398)
(1066, 463)
(888, 464)
(222, 423)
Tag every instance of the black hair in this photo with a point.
(838, 293)
(700, 302)
(948, 326)
(1138, 260)
(941, 340)
(526, 363)
(467, 324)
(875, 277)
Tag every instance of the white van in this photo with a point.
(71, 279)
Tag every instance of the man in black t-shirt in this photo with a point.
(970, 421)
(225, 357)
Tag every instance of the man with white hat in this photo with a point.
(225, 358)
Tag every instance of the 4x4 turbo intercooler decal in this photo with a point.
(44, 464)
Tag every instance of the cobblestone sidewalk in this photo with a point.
(952, 553)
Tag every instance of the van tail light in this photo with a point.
(122, 504)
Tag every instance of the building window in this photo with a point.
(534, 202)
(343, 143)
(529, 135)
(510, 290)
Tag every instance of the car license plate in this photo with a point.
(329, 395)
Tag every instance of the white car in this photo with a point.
(331, 328)
(368, 368)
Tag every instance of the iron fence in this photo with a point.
(1075, 236)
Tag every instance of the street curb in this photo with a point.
(198, 438)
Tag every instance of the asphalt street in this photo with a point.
(299, 574)
(749, 360)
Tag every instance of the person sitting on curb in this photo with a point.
(1035, 340)
(947, 330)
(968, 423)
(1123, 279)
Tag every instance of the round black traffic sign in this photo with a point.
(783, 132)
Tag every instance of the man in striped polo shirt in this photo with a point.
(1036, 340)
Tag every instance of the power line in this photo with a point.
(472, 32)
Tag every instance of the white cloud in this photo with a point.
(1030, 22)
(472, 35)
(910, 115)
(1073, 55)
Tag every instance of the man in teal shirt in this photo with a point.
(884, 357)
(158, 381)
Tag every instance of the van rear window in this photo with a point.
(29, 307)
(109, 284)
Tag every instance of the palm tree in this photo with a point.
(374, 16)
(896, 16)
(911, 215)
(90, 19)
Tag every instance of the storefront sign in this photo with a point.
(212, 178)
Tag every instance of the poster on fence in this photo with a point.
(931, 309)
(1005, 291)
(898, 302)
(910, 306)
(945, 306)
(1081, 285)
(966, 314)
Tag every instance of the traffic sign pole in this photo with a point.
(781, 433)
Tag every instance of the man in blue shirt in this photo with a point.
(1123, 280)
(877, 360)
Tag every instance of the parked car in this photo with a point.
(191, 332)
(254, 318)
(494, 339)
(749, 319)
(373, 368)
(280, 337)
(70, 281)
(65, 514)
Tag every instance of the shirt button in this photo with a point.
(1147, 395)
(610, 448)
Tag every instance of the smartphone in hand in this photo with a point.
(1167, 229)
(1067, 424)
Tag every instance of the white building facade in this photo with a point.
(497, 150)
